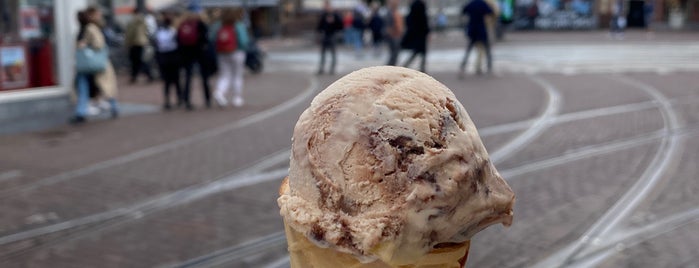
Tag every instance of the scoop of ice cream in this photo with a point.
(386, 164)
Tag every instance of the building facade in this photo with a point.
(37, 39)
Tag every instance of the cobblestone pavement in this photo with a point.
(602, 162)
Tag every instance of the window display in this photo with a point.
(27, 44)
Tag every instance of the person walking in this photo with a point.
(357, 31)
(491, 24)
(618, 21)
(136, 40)
(232, 41)
(476, 31)
(168, 59)
(416, 32)
(328, 26)
(82, 80)
(394, 31)
(347, 19)
(194, 48)
(90, 36)
(648, 8)
(376, 25)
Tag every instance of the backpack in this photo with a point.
(188, 33)
(226, 39)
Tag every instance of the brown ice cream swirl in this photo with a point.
(386, 164)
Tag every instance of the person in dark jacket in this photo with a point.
(416, 31)
(194, 48)
(376, 24)
(357, 31)
(136, 40)
(329, 24)
(168, 59)
(476, 11)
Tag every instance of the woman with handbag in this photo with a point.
(92, 62)
(82, 80)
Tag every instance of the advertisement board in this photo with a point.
(13, 67)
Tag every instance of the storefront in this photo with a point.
(554, 14)
(36, 58)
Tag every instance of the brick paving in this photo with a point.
(555, 205)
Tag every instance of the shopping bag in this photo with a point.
(90, 61)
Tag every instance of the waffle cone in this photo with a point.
(305, 254)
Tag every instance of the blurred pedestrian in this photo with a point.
(416, 31)
(441, 21)
(214, 24)
(476, 31)
(376, 25)
(618, 21)
(648, 8)
(165, 38)
(347, 19)
(195, 49)
(91, 37)
(357, 31)
(232, 41)
(328, 25)
(394, 31)
(491, 24)
(136, 40)
(82, 80)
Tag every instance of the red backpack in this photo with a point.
(188, 33)
(226, 39)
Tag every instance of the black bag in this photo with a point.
(254, 59)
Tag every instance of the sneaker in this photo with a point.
(93, 110)
(220, 100)
(114, 114)
(75, 120)
(238, 101)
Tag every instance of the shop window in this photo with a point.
(27, 44)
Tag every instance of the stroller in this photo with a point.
(254, 58)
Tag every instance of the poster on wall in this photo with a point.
(29, 23)
(555, 14)
(13, 67)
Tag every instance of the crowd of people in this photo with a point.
(410, 32)
(214, 43)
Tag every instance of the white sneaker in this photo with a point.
(93, 110)
(220, 99)
(238, 101)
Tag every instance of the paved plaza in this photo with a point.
(598, 139)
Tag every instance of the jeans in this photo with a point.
(83, 97)
(328, 46)
(486, 48)
(82, 87)
(356, 39)
(394, 49)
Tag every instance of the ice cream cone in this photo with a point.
(305, 254)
